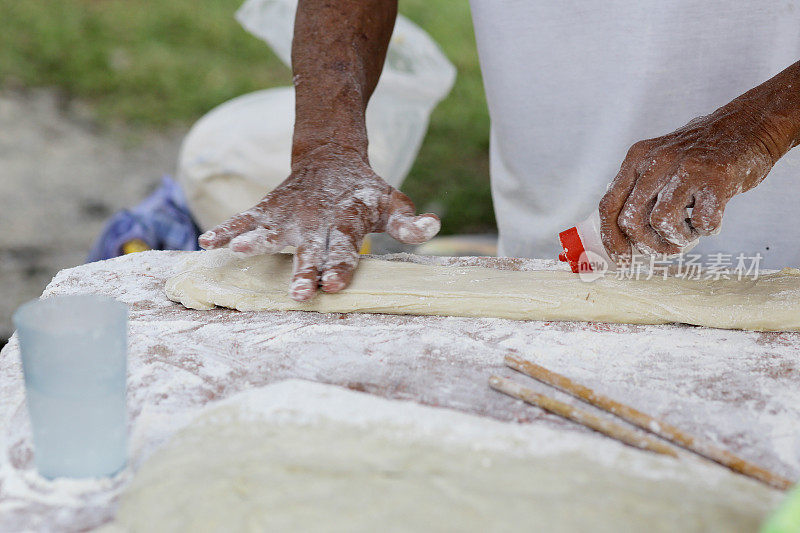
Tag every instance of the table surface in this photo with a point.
(738, 389)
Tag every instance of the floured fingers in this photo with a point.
(222, 234)
(264, 240)
(404, 226)
(342, 259)
(305, 273)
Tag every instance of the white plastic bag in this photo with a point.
(240, 150)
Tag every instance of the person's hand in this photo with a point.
(326, 207)
(699, 166)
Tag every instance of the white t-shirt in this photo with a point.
(571, 85)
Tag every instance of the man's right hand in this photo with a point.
(332, 199)
(325, 208)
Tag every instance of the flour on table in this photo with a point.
(738, 389)
(770, 302)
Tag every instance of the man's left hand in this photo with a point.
(699, 166)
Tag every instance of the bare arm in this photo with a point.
(332, 199)
(337, 58)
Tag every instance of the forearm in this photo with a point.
(337, 56)
(774, 108)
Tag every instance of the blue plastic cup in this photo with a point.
(74, 357)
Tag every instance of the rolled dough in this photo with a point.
(300, 456)
(770, 302)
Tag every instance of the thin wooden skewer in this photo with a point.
(648, 423)
(603, 425)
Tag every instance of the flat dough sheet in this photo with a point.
(770, 302)
(299, 456)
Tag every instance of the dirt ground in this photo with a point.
(60, 179)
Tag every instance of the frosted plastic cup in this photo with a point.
(74, 357)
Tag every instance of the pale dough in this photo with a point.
(770, 302)
(324, 459)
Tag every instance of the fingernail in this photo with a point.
(331, 281)
(429, 226)
(301, 289)
(206, 238)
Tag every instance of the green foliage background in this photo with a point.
(158, 63)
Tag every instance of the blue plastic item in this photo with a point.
(162, 221)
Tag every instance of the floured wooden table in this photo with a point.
(738, 389)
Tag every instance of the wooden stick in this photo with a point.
(603, 425)
(648, 423)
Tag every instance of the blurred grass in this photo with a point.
(156, 63)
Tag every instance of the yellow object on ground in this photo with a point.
(366, 246)
(134, 245)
